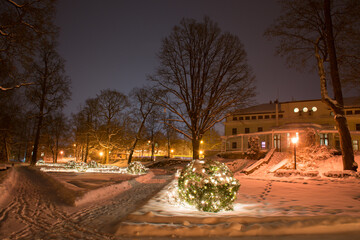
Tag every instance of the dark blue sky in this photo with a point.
(113, 44)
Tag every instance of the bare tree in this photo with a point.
(85, 125)
(205, 74)
(143, 103)
(111, 105)
(51, 87)
(22, 26)
(56, 129)
(314, 30)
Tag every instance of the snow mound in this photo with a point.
(7, 185)
(111, 191)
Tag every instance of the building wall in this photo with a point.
(266, 124)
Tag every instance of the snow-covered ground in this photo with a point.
(38, 205)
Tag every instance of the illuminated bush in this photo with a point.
(81, 167)
(208, 185)
(93, 164)
(136, 168)
(40, 162)
(70, 164)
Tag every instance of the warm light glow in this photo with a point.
(296, 110)
(74, 144)
(294, 140)
(149, 141)
(305, 109)
(172, 150)
(61, 152)
(201, 141)
(314, 109)
(101, 154)
(201, 152)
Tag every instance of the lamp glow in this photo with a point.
(296, 110)
(101, 154)
(294, 140)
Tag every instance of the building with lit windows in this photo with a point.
(276, 123)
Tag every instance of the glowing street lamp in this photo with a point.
(294, 140)
(61, 153)
(201, 142)
(101, 154)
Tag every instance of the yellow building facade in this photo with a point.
(276, 123)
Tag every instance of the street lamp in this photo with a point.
(75, 150)
(62, 153)
(294, 140)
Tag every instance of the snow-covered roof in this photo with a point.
(262, 108)
(270, 107)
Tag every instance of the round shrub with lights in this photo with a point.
(208, 185)
(136, 168)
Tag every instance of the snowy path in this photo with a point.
(278, 206)
(35, 212)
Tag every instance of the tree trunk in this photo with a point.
(196, 147)
(136, 139)
(56, 150)
(345, 137)
(168, 147)
(132, 149)
(36, 141)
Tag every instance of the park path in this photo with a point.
(33, 211)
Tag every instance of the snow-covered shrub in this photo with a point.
(81, 167)
(208, 185)
(253, 151)
(307, 158)
(136, 168)
(70, 164)
(40, 162)
(93, 164)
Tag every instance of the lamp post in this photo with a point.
(62, 154)
(101, 154)
(294, 140)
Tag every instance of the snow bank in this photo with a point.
(239, 227)
(7, 185)
(112, 190)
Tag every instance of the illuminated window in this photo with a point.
(324, 139)
(355, 145)
(263, 145)
(277, 141)
(296, 110)
(288, 140)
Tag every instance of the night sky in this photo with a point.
(113, 44)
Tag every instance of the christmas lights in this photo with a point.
(208, 185)
(136, 168)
